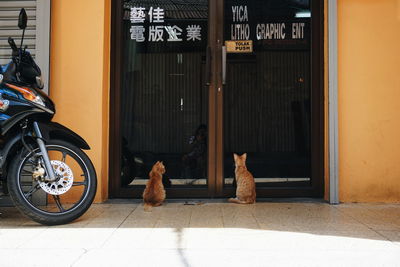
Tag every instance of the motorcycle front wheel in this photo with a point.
(52, 202)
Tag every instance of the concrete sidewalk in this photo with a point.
(211, 234)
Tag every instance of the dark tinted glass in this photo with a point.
(267, 92)
(164, 99)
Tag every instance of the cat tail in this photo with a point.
(237, 201)
(147, 207)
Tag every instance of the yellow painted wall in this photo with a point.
(369, 100)
(79, 73)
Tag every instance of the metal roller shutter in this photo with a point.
(9, 11)
(37, 34)
(37, 38)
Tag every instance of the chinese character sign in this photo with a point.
(193, 32)
(173, 32)
(156, 33)
(137, 33)
(156, 15)
(156, 30)
(137, 15)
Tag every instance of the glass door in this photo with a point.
(195, 81)
(161, 107)
(272, 95)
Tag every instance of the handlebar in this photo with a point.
(12, 44)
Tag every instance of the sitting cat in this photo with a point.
(245, 186)
(154, 194)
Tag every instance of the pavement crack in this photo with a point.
(366, 225)
(85, 251)
(255, 218)
(119, 226)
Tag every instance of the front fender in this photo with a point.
(10, 146)
(54, 130)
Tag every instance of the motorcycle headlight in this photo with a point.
(38, 100)
(28, 94)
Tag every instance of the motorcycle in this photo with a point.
(42, 164)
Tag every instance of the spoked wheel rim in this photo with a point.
(65, 194)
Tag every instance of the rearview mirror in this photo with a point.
(22, 19)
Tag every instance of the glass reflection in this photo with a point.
(164, 100)
(267, 93)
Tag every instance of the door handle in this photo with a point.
(208, 65)
(181, 104)
(223, 65)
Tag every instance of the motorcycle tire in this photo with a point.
(45, 202)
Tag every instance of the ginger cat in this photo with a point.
(154, 194)
(245, 186)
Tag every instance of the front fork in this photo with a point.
(43, 151)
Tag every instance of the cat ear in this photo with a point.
(244, 156)
(235, 156)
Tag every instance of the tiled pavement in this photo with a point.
(268, 233)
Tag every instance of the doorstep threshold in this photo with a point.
(217, 200)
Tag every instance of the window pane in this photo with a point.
(267, 93)
(164, 100)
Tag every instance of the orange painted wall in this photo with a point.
(79, 73)
(369, 90)
(369, 100)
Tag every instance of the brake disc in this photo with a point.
(63, 182)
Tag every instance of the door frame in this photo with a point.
(115, 93)
(215, 112)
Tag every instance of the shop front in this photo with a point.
(194, 81)
(312, 98)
